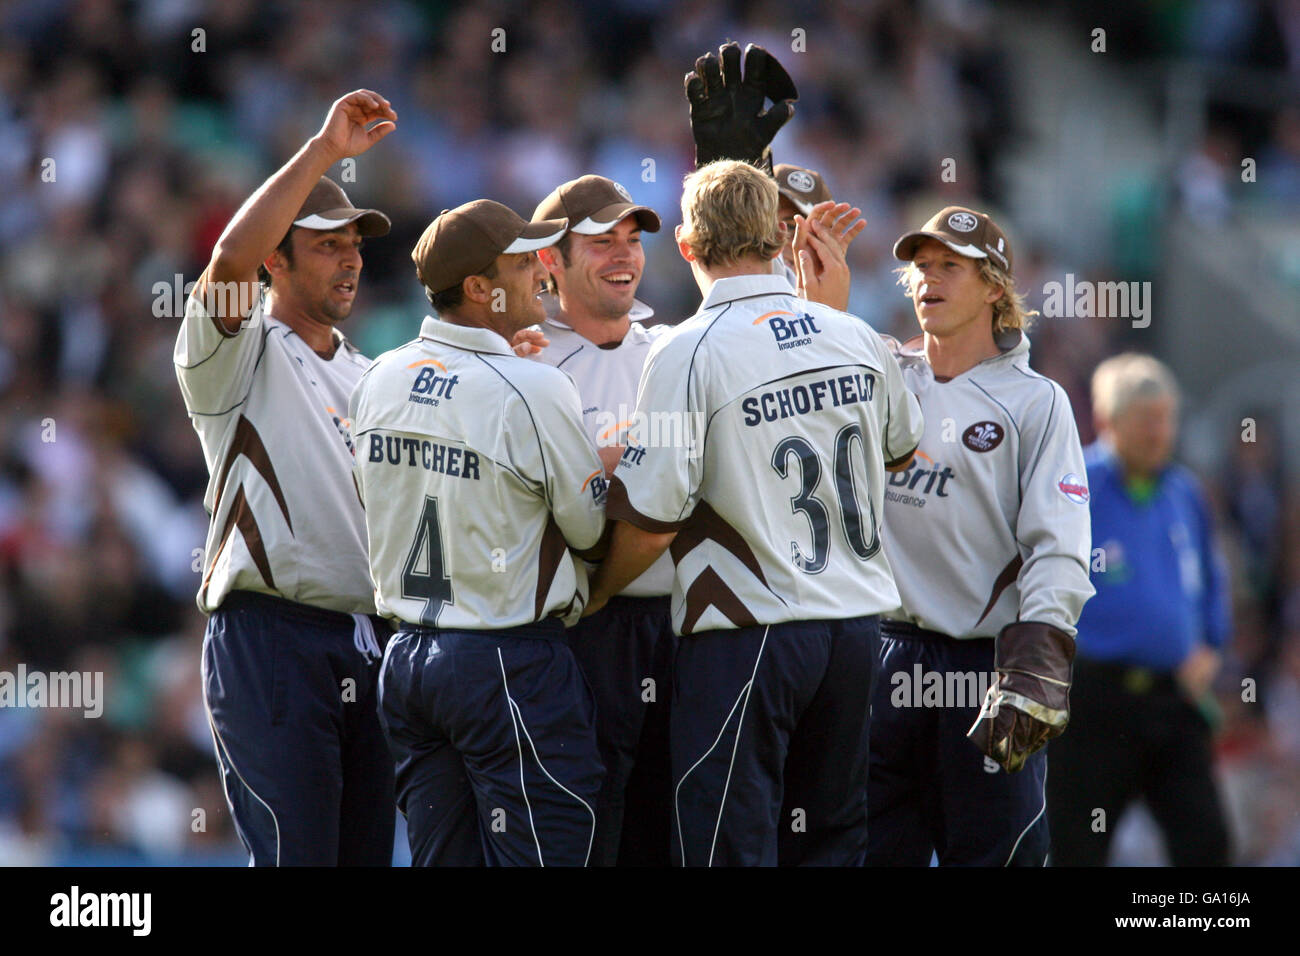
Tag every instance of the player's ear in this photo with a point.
(476, 288)
(683, 246)
(549, 258)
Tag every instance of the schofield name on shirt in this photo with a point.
(423, 453)
(813, 397)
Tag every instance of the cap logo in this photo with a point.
(618, 187)
(963, 221)
(801, 181)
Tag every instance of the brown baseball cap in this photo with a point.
(964, 231)
(594, 205)
(327, 207)
(464, 241)
(803, 187)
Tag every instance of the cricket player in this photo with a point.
(480, 486)
(626, 649)
(290, 656)
(988, 534)
(801, 190)
(772, 521)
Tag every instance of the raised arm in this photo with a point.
(262, 221)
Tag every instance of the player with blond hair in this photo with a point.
(772, 521)
(988, 534)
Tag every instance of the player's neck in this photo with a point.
(951, 355)
(318, 335)
(706, 276)
(596, 329)
(470, 317)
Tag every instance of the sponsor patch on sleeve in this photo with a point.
(1074, 488)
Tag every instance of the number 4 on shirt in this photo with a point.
(432, 585)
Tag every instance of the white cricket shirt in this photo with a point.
(478, 478)
(990, 523)
(271, 415)
(795, 408)
(607, 380)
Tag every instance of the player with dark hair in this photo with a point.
(482, 490)
(291, 654)
(597, 338)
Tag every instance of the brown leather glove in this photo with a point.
(1029, 703)
(727, 116)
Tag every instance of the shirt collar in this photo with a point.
(463, 336)
(746, 286)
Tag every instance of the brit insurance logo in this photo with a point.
(916, 483)
(789, 330)
(963, 221)
(983, 436)
(429, 387)
(1074, 488)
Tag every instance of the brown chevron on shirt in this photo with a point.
(705, 524)
(248, 442)
(1003, 581)
(241, 517)
(549, 556)
(709, 590)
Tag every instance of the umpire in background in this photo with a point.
(1149, 643)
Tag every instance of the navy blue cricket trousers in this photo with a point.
(769, 744)
(931, 790)
(625, 650)
(492, 734)
(291, 697)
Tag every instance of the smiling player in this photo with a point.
(626, 649)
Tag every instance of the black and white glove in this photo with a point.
(728, 120)
(1029, 703)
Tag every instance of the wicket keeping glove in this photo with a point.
(1029, 702)
(727, 116)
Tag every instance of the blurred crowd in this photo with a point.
(134, 130)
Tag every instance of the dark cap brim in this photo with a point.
(370, 222)
(905, 248)
(537, 235)
(803, 205)
(607, 217)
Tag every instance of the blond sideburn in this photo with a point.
(1009, 310)
(1124, 379)
(729, 213)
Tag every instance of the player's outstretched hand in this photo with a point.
(821, 241)
(347, 130)
(529, 342)
(728, 120)
(1029, 703)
